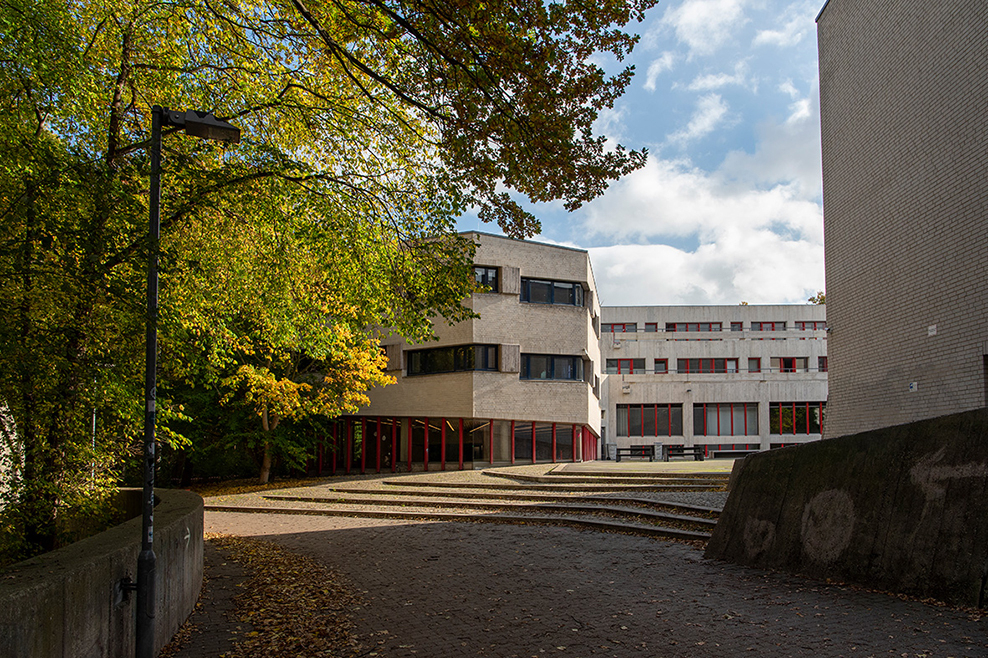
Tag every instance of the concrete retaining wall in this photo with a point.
(67, 603)
(902, 508)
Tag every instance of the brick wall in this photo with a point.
(903, 103)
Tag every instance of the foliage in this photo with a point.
(369, 126)
(819, 298)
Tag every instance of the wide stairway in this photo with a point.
(676, 506)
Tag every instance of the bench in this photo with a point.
(682, 451)
(635, 451)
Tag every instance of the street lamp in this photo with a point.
(205, 126)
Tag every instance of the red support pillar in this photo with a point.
(490, 432)
(425, 447)
(533, 441)
(553, 443)
(394, 444)
(512, 442)
(378, 444)
(349, 443)
(336, 444)
(409, 444)
(363, 445)
(461, 444)
(442, 445)
(573, 439)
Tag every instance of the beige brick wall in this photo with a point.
(904, 111)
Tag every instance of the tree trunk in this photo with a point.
(269, 423)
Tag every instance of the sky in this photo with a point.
(728, 207)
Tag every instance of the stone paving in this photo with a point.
(441, 590)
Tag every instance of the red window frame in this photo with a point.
(777, 407)
(768, 326)
(821, 362)
(651, 327)
(708, 367)
(811, 325)
(737, 326)
(640, 408)
(613, 327)
(730, 405)
(694, 326)
(754, 364)
(665, 366)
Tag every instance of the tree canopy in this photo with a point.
(368, 126)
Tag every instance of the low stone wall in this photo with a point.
(68, 603)
(903, 508)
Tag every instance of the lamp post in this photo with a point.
(205, 126)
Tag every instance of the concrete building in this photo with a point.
(520, 384)
(903, 101)
(734, 379)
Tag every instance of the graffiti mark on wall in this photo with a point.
(828, 520)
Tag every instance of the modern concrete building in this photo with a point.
(734, 379)
(519, 384)
(903, 105)
(525, 382)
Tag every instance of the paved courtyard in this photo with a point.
(441, 590)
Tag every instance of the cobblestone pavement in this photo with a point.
(440, 590)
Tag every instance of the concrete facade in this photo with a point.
(735, 373)
(903, 101)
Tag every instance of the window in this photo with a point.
(452, 359)
(737, 326)
(754, 365)
(486, 277)
(625, 366)
(725, 419)
(620, 327)
(693, 326)
(768, 326)
(796, 417)
(651, 327)
(814, 325)
(661, 366)
(550, 366)
(649, 420)
(821, 363)
(706, 365)
(537, 291)
(790, 364)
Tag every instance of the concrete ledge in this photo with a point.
(902, 508)
(67, 603)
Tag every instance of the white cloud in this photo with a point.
(710, 112)
(795, 22)
(705, 25)
(718, 80)
(665, 62)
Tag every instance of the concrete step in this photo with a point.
(603, 486)
(606, 479)
(594, 524)
(564, 508)
(636, 475)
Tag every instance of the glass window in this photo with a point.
(754, 365)
(796, 417)
(693, 326)
(768, 326)
(649, 420)
(725, 419)
(538, 291)
(737, 326)
(544, 366)
(625, 366)
(815, 325)
(661, 366)
(452, 359)
(821, 363)
(790, 364)
(486, 277)
(651, 327)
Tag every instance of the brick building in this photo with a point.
(903, 104)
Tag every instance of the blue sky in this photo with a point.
(729, 206)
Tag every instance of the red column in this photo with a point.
(336, 444)
(573, 455)
(349, 443)
(461, 444)
(553, 443)
(512, 442)
(394, 444)
(490, 432)
(533, 441)
(425, 446)
(379, 444)
(363, 445)
(442, 445)
(409, 442)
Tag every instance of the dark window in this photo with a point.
(548, 366)
(796, 417)
(768, 326)
(452, 359)
(821, 362)
(754, 365)
(486, 277)
(649, 420)
(651, 327)
(815, 325)
(625, 366)
(693, 326)
(707, 366)
(661, 366)
(537, 291)
(737, 326)
(725, 419)
(790, 364)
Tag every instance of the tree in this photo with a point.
(819, 298)
(369, 126)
